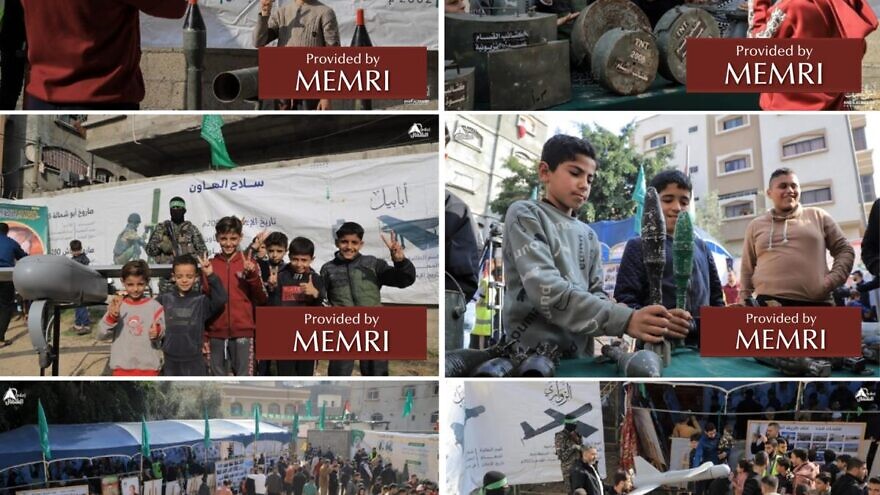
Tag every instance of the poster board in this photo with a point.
(842, 438)
(64, 490)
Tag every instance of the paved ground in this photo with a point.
(88, 356)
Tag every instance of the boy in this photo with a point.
(296, 284)
(231, 334)
(631, 288)
(553, 263)
(186, 314)
(136, 322)
(81, 323)
(353, 279)
(270, 258)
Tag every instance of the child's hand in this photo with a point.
(649, 324)
(679, 323)
(323, 104)
(259, 239)
(249, 265)
(394, 246)
(154, 331)
(310, 289)
(266, 7)
(205, 263)
(115, 305)
(273, 277)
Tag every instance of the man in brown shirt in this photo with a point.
(784, 250)
(298, 23)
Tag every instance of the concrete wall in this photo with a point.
(338, 441)
(164, 72)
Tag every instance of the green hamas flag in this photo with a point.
(408, 404)
(145, 438)
(639, 197)
(309, 408)
(294, 431)
(212, 132)
(321, 419)
(256, 422)
(44, 431)
(207, 439)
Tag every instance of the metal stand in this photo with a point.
(495, 297)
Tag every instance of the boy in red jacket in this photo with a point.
(86, 55)
(231, 334)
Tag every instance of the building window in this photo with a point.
(868, 192)
(804, 146)
(103, 175)
(411, 388)
(376, 417)
(373, 394)
(463, 181)
(274, 409)
(72, 123)
(813, 196)
(469, 137)
(236, 409)
(693, 129)
(289, 410)
(69, 165)
(435, 416)
(523, 158)
(732, 123)
(739, 210)
(859, 140)
(657, 142)
(738, 194)
(735, 164)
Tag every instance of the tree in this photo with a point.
(709, 215)
(611, 192)
(518, 185)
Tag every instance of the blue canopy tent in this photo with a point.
(22, 445)
(613, 235)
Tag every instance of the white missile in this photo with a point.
(648, 478)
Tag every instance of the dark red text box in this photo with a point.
(342, 333)
(386, 72)
(746, 331)
(717, 65)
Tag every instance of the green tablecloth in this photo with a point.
(688, 363)
(661, 96)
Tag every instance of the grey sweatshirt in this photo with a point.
(132, 348)
(553, 267)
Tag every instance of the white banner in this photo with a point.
(230, 23)
(511, 427)
(420, 452)
(130, 486)
(64, 490)
(842, 438)
(392, 193)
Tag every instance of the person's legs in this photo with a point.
(340, 368)
(304, 368)
(12, 55)
(7, 307)
(218, 357)
(242, 356)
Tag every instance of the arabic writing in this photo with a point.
(500, 40)
(456, 95)
(73, 213)
(558, 392)
(232, 185)
(398, 197)
(66, 251)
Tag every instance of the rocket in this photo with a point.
(654, 257)
(648, 478)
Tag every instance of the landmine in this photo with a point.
(519, 64)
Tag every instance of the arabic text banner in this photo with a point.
(482, 432)
(231, 23)
(382, 194)
(420, 452)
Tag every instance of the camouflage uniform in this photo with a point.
(128, 242)
(161, 249)
(568, 450)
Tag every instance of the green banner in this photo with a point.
(29, 226)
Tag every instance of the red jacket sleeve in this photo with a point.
(169, 9)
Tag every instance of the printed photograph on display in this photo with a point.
(661, 245)
(663, 437)
(106, 191)
(193, 438)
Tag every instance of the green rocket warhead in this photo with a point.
(682, 258)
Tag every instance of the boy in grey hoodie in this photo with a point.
(553, 263)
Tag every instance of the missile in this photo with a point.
(648, 478)
(654, 257)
